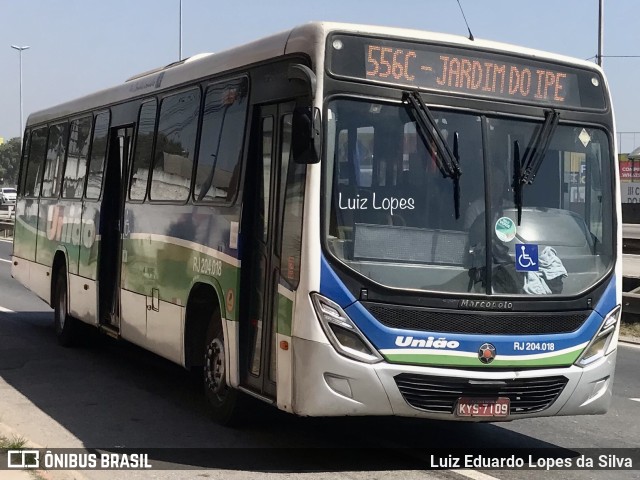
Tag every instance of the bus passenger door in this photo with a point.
(111, 212)
(261, 227)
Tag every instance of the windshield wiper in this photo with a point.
(456, 179)
(447, 163)
(525, 172)
(446, 160)
(517, 176)
(535, 155)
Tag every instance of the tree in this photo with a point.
(10, 162)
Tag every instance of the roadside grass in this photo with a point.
(14, 443)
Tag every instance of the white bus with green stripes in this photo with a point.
(341, 220)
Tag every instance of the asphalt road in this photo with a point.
(109, 394)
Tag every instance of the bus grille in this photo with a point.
(439, 394)
(459, 321)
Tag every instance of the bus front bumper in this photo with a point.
(328, 384)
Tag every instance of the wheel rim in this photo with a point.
(214, 370)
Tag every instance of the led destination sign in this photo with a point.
(470, 72)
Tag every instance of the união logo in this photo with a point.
(431, 342)
(69, 227)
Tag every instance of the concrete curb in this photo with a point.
(7, 431)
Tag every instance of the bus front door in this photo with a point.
(111, 211)
(261, 227)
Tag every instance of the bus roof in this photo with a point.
(307, 39)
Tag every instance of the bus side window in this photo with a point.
(175, 146)
(292, 200)
(56, 150)
(221, 141)
(143, 150)
(76, 167)
(23, 162)
(33, 172)
(98, 153)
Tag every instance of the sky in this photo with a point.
(81, 46)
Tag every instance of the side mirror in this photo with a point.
(306, 133)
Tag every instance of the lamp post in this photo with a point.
(20, 49)
(600, 30)
(180, 33)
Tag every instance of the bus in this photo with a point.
(341, 220)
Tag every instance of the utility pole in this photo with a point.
(600, 30)
(20, 49)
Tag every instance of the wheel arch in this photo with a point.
(204, 298)
(60, 260)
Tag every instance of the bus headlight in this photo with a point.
(602, 344)
(343, 334)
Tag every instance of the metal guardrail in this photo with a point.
(7, 223)
(631, 230)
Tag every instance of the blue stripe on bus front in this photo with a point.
(332, 287)
(385, 338)
(609, 300)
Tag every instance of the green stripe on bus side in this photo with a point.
(88, 262)
(173, 269)
(460, 361)
(285, 314)
(37, 247)
(24, 245)
(46, 250)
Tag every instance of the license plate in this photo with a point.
(482, 407)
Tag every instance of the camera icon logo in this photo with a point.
(23, 459)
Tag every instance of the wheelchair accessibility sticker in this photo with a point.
(526, 257)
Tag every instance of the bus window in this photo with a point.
(23, 162)
(223, 126)
(143, 150)
(36, 160)
(175, 146)
(76, 166)
(292, 197)
(98, 152)
(56, 149)
(356, 144)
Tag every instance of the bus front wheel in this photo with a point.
(222, 399)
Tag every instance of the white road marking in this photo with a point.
(6, 241)
(6, 310)
(473, 474)
(3, 260)
(635, 399)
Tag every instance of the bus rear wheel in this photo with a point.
(223, 400)
(65, 324)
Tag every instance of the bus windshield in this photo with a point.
(390, 211)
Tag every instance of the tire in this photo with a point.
(65, 324)
(223, 400)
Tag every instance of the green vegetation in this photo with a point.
(14, 443)
(10, 162)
